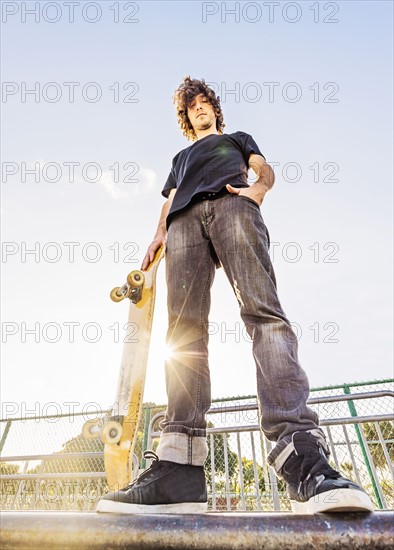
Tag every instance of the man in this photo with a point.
(211, 218)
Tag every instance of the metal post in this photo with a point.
(146, 429)
(212, 441)
(353, 412)
(255, 473)
(228, 497)
(6, 430)
(241, 473)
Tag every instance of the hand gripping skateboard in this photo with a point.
(119, 431)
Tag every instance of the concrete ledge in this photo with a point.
(212, 531)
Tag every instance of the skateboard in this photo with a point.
(119, 431)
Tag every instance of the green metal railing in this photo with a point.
(48, 456)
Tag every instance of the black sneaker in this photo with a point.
(314, 486)
(164, 488)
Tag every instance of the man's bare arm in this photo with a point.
(264, 182)
(265, 174)
(161, 232)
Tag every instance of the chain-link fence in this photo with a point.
(47, 464)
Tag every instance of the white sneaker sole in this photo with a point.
(114, 507)
(337, 500)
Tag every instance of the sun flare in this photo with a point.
(168, 353)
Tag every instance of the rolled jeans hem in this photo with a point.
(283, 449)
(182, 449)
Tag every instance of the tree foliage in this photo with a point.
(219, 458)
(374, 444)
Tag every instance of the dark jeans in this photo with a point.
(229, 229)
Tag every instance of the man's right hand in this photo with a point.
(161, 233)
(150, 254)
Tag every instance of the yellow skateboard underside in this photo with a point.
(118, 457)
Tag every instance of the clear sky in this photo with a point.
(312, 83)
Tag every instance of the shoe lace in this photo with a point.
(313, 464)
(149, 455)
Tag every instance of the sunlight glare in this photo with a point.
(168, 352)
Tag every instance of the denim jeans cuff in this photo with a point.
(182, 448)
(283, 449)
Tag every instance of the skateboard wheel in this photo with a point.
(91, 428)
(135, 278)
(111, 433)
(116, 296)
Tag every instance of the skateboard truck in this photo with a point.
(131, 289)
(109, 430)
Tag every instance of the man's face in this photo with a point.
(201, 113)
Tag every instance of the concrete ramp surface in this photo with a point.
(211, 531)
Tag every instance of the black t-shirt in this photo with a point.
(207, 166)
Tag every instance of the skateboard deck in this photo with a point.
(119, 431)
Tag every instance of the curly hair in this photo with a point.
(183, 96)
